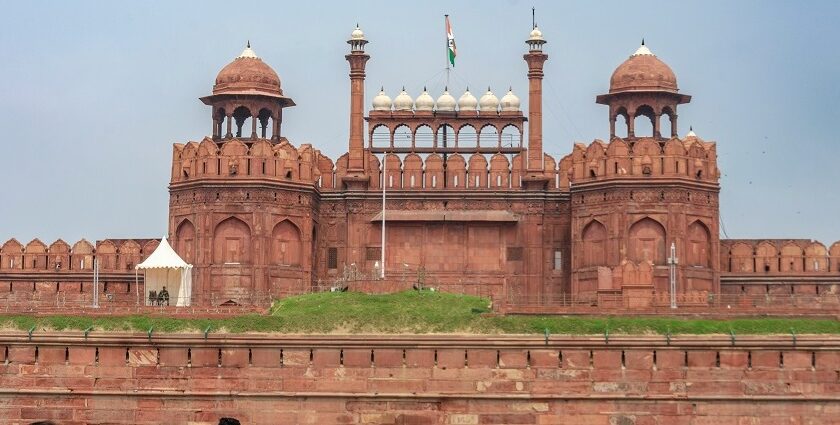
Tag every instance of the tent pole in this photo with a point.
(137, 286)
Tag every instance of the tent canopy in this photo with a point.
(164, 268)
(164, 257)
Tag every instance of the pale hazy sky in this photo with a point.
(94, 93)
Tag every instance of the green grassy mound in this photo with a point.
(417, 312)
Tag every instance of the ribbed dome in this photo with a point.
(357, 34)
(403, 102)
(510, 102)
(489, 102)
(467, 102)
(643, 71)
(535, 35)
(446, 102)
(424, 102)
(382, 102)
(247, 74)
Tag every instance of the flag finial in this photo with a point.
(533, 17)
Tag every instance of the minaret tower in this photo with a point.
(357, 59)
(535, 58)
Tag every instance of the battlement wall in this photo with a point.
(689, 158)
(139, 379)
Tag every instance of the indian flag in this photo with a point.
(450, 41)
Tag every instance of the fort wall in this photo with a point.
(419, 379)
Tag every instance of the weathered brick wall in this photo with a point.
(131, 379)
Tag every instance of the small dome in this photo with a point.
(691, 133)
(247, 74)
(536, 34)
(357, 34)
(643, 71)
(467, 102)
(446, 102)
(510, 102)
(424, 102)
(489, 102)
(403, 101)
(382, 102)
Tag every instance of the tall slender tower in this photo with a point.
(535, 176)
(357, 59)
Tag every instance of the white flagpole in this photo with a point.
(384, 183)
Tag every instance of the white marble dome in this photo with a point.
(382, 102)
(357, 34)
(446, 102)
(510, 102)
(536, 35)
(424, 102)
(403, 102)
(467, 102)
(489, 102)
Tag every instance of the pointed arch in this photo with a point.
(286, 244)
(699, 245)
(185, 241)
(232, 242)
(647, 241)
(594, 238)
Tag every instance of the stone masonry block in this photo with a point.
(388, 357)
(82, 356)
(513, 359)
(235, 357)
(419, 358)
(607, 359)
(450, 358)
(482, 358)
(266, 357)
(326, 357)
(702, 358)
(354, 357)
(51, 355)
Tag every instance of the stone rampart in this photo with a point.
(137, 379)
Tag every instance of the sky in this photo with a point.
(94, 93)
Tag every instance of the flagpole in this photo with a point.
(446, 20)
(382, 253)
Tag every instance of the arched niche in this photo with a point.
(699, 245)
(445, 136)
(380, 136)
(643, 121)
(467, 136)
(185, 241)
(488, 136)
(424, 136)
(403, 137)
(286, 244)
(232, 242)
(646, 242)
(594, 238)
(511, 136)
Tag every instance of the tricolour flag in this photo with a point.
(450, 41)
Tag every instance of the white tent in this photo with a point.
(164, 268)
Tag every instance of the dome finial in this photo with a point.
(248, 44)
(691, 128)
(643, 41)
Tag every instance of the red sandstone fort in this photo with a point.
(473, 205)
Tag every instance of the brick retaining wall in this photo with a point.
(131, 379)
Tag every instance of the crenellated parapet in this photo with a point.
(36, 256)
(236, 160)
(689, 159)
(452, 172)
(779, 257)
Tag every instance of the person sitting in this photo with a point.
(163, 297)
(153, 298)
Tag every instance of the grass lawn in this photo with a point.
(417, 312)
